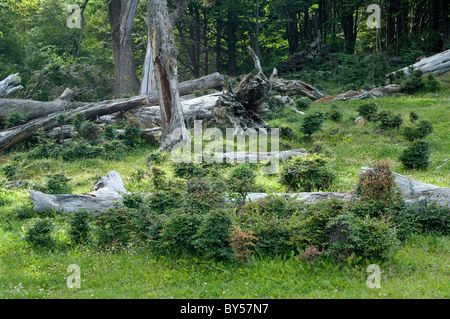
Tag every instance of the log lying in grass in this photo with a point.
(437, 64)
(304, 197)
(294, 87)
(414, 191)
(375, 93)
(107, 194)
(10, 85)
(248, 157)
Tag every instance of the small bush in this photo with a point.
(179, 231)
(416, 155)
(14, 118)
(200, 196)
(132, 200)
(212, 238)
(57, 184)
(79, 226)
(241, 242)
(431, 218)
(113, 228)
(420, 131)
(334, 114)
(377, 183)
(366, 237)
(413, 117)
(369, 111)
(306, 173)
(40, 234)
(431, 83)
(188, 170)
(302, 103)
(241, 180)
(312, 123)
(413, 83)
(133, 131)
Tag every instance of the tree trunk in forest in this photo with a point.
(231, 43)
(165, 61)
(121, 14)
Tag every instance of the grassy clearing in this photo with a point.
(419, 268)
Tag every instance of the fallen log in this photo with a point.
(375, 93)
(107, 194)
(295, 87)
(437, 64)
(38, 109)
(10, 85)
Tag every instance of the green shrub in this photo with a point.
(112, 228)
(212, 238)
(78, 121)
(369, 111)
(188, 170)
(310, 224)
(312, 123)
(39, 235)
(334, 114)
(79, 226)
(109, 133)
(12, 171)
(306, 173)
(164, 201)
(241, 180)
(413, 83)
(366, 237)
(419, 131)
(200, 196)
(133, 130)
(302, 103)
(14, 118)
(413, 117)
(80, 148)
(431, 83)
(431, 218)
(416, 155)
(179, 231)
(132, 200)
(57, 184)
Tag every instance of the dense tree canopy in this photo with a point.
(211, 35)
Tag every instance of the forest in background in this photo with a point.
(211, 36)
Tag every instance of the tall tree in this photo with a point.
(121, 15)
(165, 53)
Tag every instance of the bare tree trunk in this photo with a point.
(121, 14)
(165, 61)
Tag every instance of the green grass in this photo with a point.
(418, 269)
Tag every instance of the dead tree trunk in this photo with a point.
(437, 64)
(160, 32)
(10, 85)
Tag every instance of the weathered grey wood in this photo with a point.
(248, 157)
(375, 93)
(437, 64)
(107, 194)
(295, 87)
(304, 197)
(10, 85)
